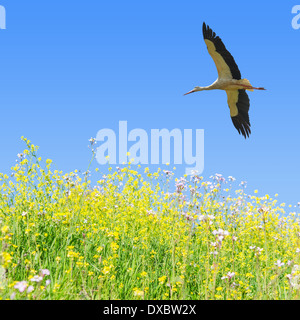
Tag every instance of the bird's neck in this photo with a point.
(204, 88)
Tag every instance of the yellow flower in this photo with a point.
(162, 279)
(5, 229)
(138, 293)
(106, 270)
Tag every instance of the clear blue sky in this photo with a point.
(71, 68)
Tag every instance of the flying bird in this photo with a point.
(230, 80)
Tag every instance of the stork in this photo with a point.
(230, 80)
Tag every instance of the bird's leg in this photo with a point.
(252, 88)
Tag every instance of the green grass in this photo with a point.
(130, 237)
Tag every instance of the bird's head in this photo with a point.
(195, 90)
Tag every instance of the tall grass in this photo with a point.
(130, 237)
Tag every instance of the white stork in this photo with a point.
(229, 79)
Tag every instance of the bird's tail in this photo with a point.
(246, 82)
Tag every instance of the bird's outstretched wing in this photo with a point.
(239, 104)
(224, 61)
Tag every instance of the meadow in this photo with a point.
(141, 235)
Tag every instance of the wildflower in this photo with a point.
(151, 212)
(30, 289)
(294, 277)
(180, 185)
(45, 272)
(263, 209)
(228, 276)
(21, 286)
(162, 279)
(258, 251)
(36, 279)
(168, 173)
(92, 141)
(106, 270)
(138, 293)
(279, 263)
(220, 232)
(5, 229)
(289, 263)
(57, 259)
(48, 282)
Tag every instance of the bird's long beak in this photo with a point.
(190, 92)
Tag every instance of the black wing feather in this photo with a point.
(241, 121)
(221, 49)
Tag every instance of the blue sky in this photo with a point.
(71, 68)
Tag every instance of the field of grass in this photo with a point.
(141, 235)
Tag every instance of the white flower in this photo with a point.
(279, 263)
(220, 232)
(92, 141)
(294, 277)
(259, 250)
(30, 289)
(252, 247)
(48, 282)
(45, 272)
(228, 276)
(21, 286)
(36, 279)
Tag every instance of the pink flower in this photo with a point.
(45, 272)
(36, 279)
(21, 286)
(30, 289)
